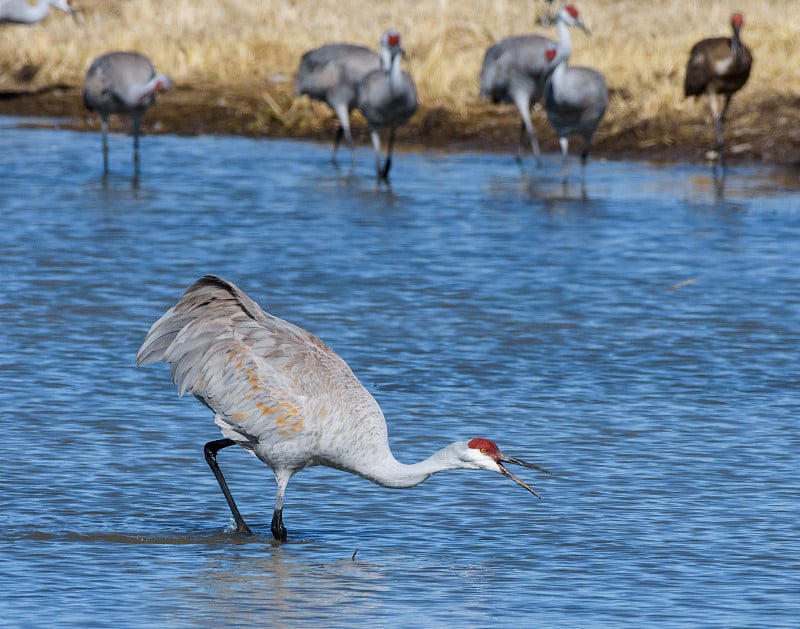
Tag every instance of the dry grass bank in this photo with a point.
(247, 50)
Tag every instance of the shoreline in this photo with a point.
(769, 135)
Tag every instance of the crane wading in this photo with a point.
(122, 83)
(331, 74)
(388, 98)
(286, 397)
(514, 71)
(575, 97)
(718, 66)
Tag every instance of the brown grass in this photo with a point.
(252, 47)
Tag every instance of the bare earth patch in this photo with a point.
(769, 134)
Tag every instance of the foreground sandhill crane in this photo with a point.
(331, 74)
(514, 71)
(286, 397)
(122, 83)
(575, 98)
(718, 66)
(23, 12)
(388, 98)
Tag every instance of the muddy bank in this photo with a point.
(768, 133)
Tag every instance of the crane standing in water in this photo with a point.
(123, 83)
(514, 71)
(23, 12)
(285, 396)
(331, 74)
(719, 66)
(388, 98)
(575, 97)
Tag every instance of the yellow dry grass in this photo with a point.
(254, 45)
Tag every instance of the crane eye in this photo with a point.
(484, 450)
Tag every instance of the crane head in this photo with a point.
(391, 47)
(392, 41)
(550, 54)
(164, 83)
(487, 455)
(570, 15)
(737, 19)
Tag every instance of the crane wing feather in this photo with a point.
(265, 378)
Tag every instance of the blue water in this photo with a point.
(638, 336)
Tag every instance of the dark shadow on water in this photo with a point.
(203, 537)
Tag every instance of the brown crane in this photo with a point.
(718, 66)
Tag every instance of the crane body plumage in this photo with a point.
(388, 98)
(331, 74)
(122, 83)
(23, 12)
(515, 71)
(285, 396)
(719, 66)
(576, 97)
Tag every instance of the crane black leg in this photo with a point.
(522, 132)
(336, 141)
(388, 164)
(211, 449)
(104, 125)
(278, 529)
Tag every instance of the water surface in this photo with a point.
(638, 336)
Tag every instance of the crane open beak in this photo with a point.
(510, 459)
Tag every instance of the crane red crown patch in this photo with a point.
(484, 445)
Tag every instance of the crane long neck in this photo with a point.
(736, 45)
(141, 94)
(564, 39)
(389, 472)
(395, 72)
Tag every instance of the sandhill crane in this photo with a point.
(514, 71)
(286, 397)
(575, 98)
(122, 83)
(388, 98)
(718, 66)
(23, 12)
(331, 74)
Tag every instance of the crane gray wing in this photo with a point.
(325, 68)
(264, 378)
(116, 76)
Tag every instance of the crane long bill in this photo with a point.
(533, 466)
(519, 481)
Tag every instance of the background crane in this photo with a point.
(514, 71)
(388, 98)
(122, 83)
(285, 396)
(23, 12)
(331, 74)
(719, 66)
(576, 98)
